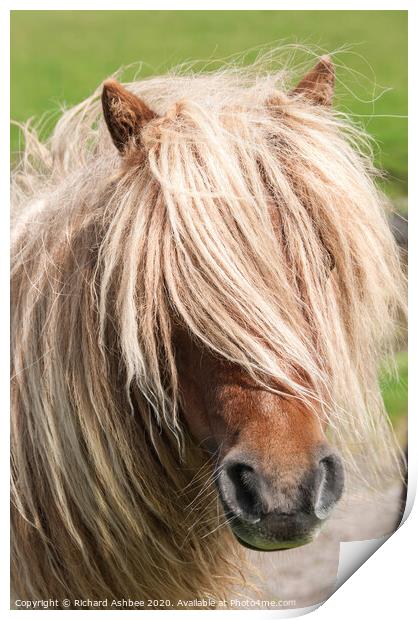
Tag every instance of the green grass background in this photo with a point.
(395, 389)
(61, 56)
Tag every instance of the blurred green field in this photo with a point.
(61, 56)
(395, 389)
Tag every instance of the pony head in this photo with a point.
(205, 297)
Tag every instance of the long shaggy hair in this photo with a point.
(252, 218)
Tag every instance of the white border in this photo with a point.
(385, 585)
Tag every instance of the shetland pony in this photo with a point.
(204, 284)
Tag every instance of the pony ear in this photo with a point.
(125, 114)
(318, 84)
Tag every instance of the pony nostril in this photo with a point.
(330, 485)
(240, 489)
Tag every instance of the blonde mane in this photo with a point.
(228, 220)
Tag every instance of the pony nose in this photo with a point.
(330, 485)
(243, 490)
(247, 494)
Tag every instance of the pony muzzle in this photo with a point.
(267, 514)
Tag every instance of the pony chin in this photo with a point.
(259, 543)
(259, 538)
